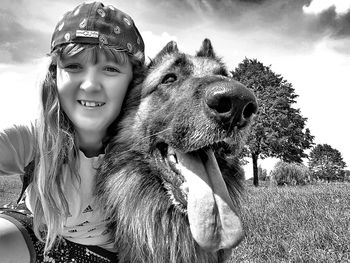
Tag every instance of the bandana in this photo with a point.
(94, 23)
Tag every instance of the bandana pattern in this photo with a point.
(94, 23)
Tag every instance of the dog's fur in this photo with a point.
(144, 199)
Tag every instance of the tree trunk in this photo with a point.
(255, 170)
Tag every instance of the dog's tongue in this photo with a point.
(213, 221)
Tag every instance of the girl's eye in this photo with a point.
(73, 67)
(111, 69)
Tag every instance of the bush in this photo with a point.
(328, 174)
(290, 174)
(262, 174)
(346, 176)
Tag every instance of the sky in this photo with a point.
(307, 42)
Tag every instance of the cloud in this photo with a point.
(154, 43)
(318, 6)
(293, 25)
(17, 43)
(284, 20)
(330, 18)
(20, 97)
(26, 27)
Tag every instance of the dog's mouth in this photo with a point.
(196, 180)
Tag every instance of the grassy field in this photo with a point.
(296, 224)
(10, 189)
(282, 224)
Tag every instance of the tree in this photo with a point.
(278, 129)
(326, 163)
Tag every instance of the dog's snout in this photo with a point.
(231, 102)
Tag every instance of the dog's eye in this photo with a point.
(169, 78)
(221, 72)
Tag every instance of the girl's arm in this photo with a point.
(16, 149)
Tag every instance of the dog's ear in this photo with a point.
(170, 48)
(206, 50)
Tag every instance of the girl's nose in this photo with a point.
(90, 81)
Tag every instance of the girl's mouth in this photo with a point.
(90, 104)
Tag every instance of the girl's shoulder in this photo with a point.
(19, 131)
(20, 137)
(17, 148)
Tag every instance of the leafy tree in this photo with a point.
(278, 129)
(326, 163)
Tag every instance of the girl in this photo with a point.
(96, 54)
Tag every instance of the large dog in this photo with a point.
(160, 180)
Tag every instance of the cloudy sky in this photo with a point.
(306, 41)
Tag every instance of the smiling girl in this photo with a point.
(97, 54)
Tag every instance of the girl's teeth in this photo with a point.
(91, 103)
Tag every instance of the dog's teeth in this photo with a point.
(172, 155)
(173, 158)
(171, 151)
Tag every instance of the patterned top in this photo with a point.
(85, 224)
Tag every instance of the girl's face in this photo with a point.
(91, 92)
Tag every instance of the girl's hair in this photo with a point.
(57, 145)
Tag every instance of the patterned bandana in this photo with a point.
(94, 23)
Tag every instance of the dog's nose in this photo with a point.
(230, 102)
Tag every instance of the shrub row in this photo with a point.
(290, 174)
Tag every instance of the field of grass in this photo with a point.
(10, 189)
(296, 224)
(282, 224)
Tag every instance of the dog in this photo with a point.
(160, 180)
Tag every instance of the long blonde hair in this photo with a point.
(57, 146)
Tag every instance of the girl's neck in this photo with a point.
(90, 143)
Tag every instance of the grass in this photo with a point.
(282, 224)
(296, 224)
(10, 189)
